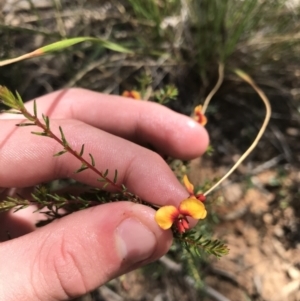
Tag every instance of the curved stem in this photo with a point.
(265, 100)
(215, 89)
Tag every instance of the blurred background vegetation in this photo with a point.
(182, 43)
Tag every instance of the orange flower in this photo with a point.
(190, 189)
(166, 216)
(132, 94)
(199, 116)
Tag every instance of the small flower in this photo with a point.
(190, 189)
(166, 216)
(132, 94)
(199, 116)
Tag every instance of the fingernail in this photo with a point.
(134, 240)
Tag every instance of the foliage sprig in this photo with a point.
(195, 242)
(17, 106)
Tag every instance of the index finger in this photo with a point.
(27, 160)
(139, 121)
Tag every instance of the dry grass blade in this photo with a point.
(215, 89)
(265, 100)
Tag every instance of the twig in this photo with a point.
(60, 23)
(274, 40)
(170, 264)
(81, 73)
(236, 214)
(175, 267)
(283, 143)
(109, 294)
(215, 294)
(265, 100)
(267, 165)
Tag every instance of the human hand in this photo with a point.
(83, 250)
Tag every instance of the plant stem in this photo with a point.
(50, 134)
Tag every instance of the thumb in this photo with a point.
(80, 252)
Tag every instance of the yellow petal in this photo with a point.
(193, 207)
(136, 95)
(165, 216)
(188, 185)
(132, 94)
(198, 109)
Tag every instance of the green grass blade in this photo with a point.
(60, 45)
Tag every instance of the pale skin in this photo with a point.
(84, 250)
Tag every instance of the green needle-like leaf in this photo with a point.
(82, 150)
(105, 185)
(24, 124)
(105, 173)
(59, 153)
(63, 138)
(82, 168)
(9, 99)
(47, 122)
(116, 176)
(34, 109)
(92, 159)
(101, 180)
(40, 134)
